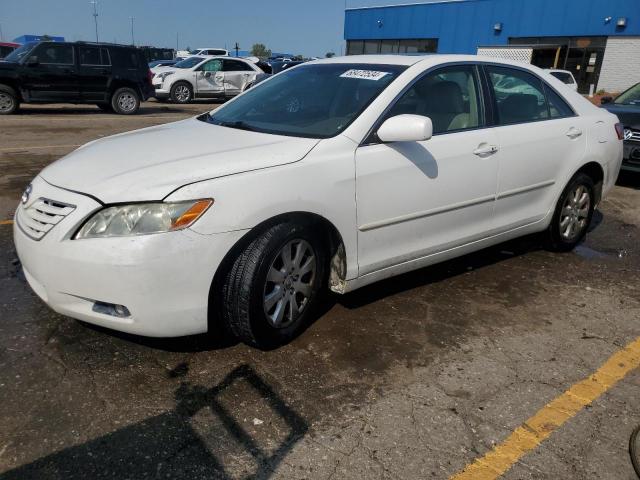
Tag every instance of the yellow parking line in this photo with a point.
(532, 432)
(6, 222)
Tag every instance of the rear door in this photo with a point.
(51, 74)
(237, 75)
(210, 79)
(540, 139)
(94, 73)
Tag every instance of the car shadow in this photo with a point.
(201, 437)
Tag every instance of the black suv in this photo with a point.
(114, 77)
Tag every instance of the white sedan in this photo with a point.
(204, 77)
(334, 174)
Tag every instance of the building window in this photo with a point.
(419, 45)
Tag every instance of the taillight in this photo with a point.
(150, 76)
(620, 131)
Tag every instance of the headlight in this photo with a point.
(142, 218)
(164, 75)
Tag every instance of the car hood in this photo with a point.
(151, 163)
(162, 68)
(629, 115)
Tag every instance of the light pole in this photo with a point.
(95, 16)
(133, 41)
(1, 36)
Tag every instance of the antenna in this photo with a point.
(95, 16)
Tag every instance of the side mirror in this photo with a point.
(207, 74)
(605, 100)
(32, 61)
(406, 128)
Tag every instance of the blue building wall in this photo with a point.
(462, 25)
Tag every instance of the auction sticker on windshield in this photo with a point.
(364, 74)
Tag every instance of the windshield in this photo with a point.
(188, 62)
(314, 101)
(630, 97)
(20, 52)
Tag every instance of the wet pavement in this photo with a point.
(413, 377)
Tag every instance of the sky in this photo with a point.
(306, 27)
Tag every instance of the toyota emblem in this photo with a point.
(627, 133)
(25, 195)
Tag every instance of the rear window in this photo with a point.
(124, 57)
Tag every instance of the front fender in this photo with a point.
(323, 183)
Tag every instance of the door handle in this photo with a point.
(484, 150)
(573, 133)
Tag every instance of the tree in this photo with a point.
(260, 50)
(330, 54)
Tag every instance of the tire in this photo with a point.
(125, 101)
(257, 303)
(181, 92)
(9, 101)
(572, 215)
(634, 449)
(105, 107)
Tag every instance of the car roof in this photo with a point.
(426, 59)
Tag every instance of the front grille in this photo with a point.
(42, 215)
(631, 135)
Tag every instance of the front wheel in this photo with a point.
(9, 102)
(573, 214)
(125, 101)
(271, 290)
(181, 92)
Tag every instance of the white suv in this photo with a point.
(205, 77)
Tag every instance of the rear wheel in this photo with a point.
(573, 214)
(272, 287)
(125, 101)
(9, 102)
(181, 92)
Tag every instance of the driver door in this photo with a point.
(417, 199)
(210, 79)
(50, 73)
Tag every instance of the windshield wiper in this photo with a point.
(239, 124)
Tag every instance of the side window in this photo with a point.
(93, 56)
(558, 108)
(236, 66)
(212, 66)
(519, 95)
(52, 54)
(449, 97)
(124, 57)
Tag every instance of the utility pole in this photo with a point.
(95, 16)
(1, 36)
(133, 40)
(177, 38)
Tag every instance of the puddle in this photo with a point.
(591, 254)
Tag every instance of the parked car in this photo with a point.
(334, 174)
(205, 77)
(113, 77)
(565, 77)
(277, 67)
(6, 48)
(163, 63)
(211, 51)
(627, 107)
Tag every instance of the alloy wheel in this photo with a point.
(290, 282)
(126, 102)
(575, 213)
(182, 93)
(6, 102)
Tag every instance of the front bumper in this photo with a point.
(631, 158)
(162, 93)
(162, 279)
